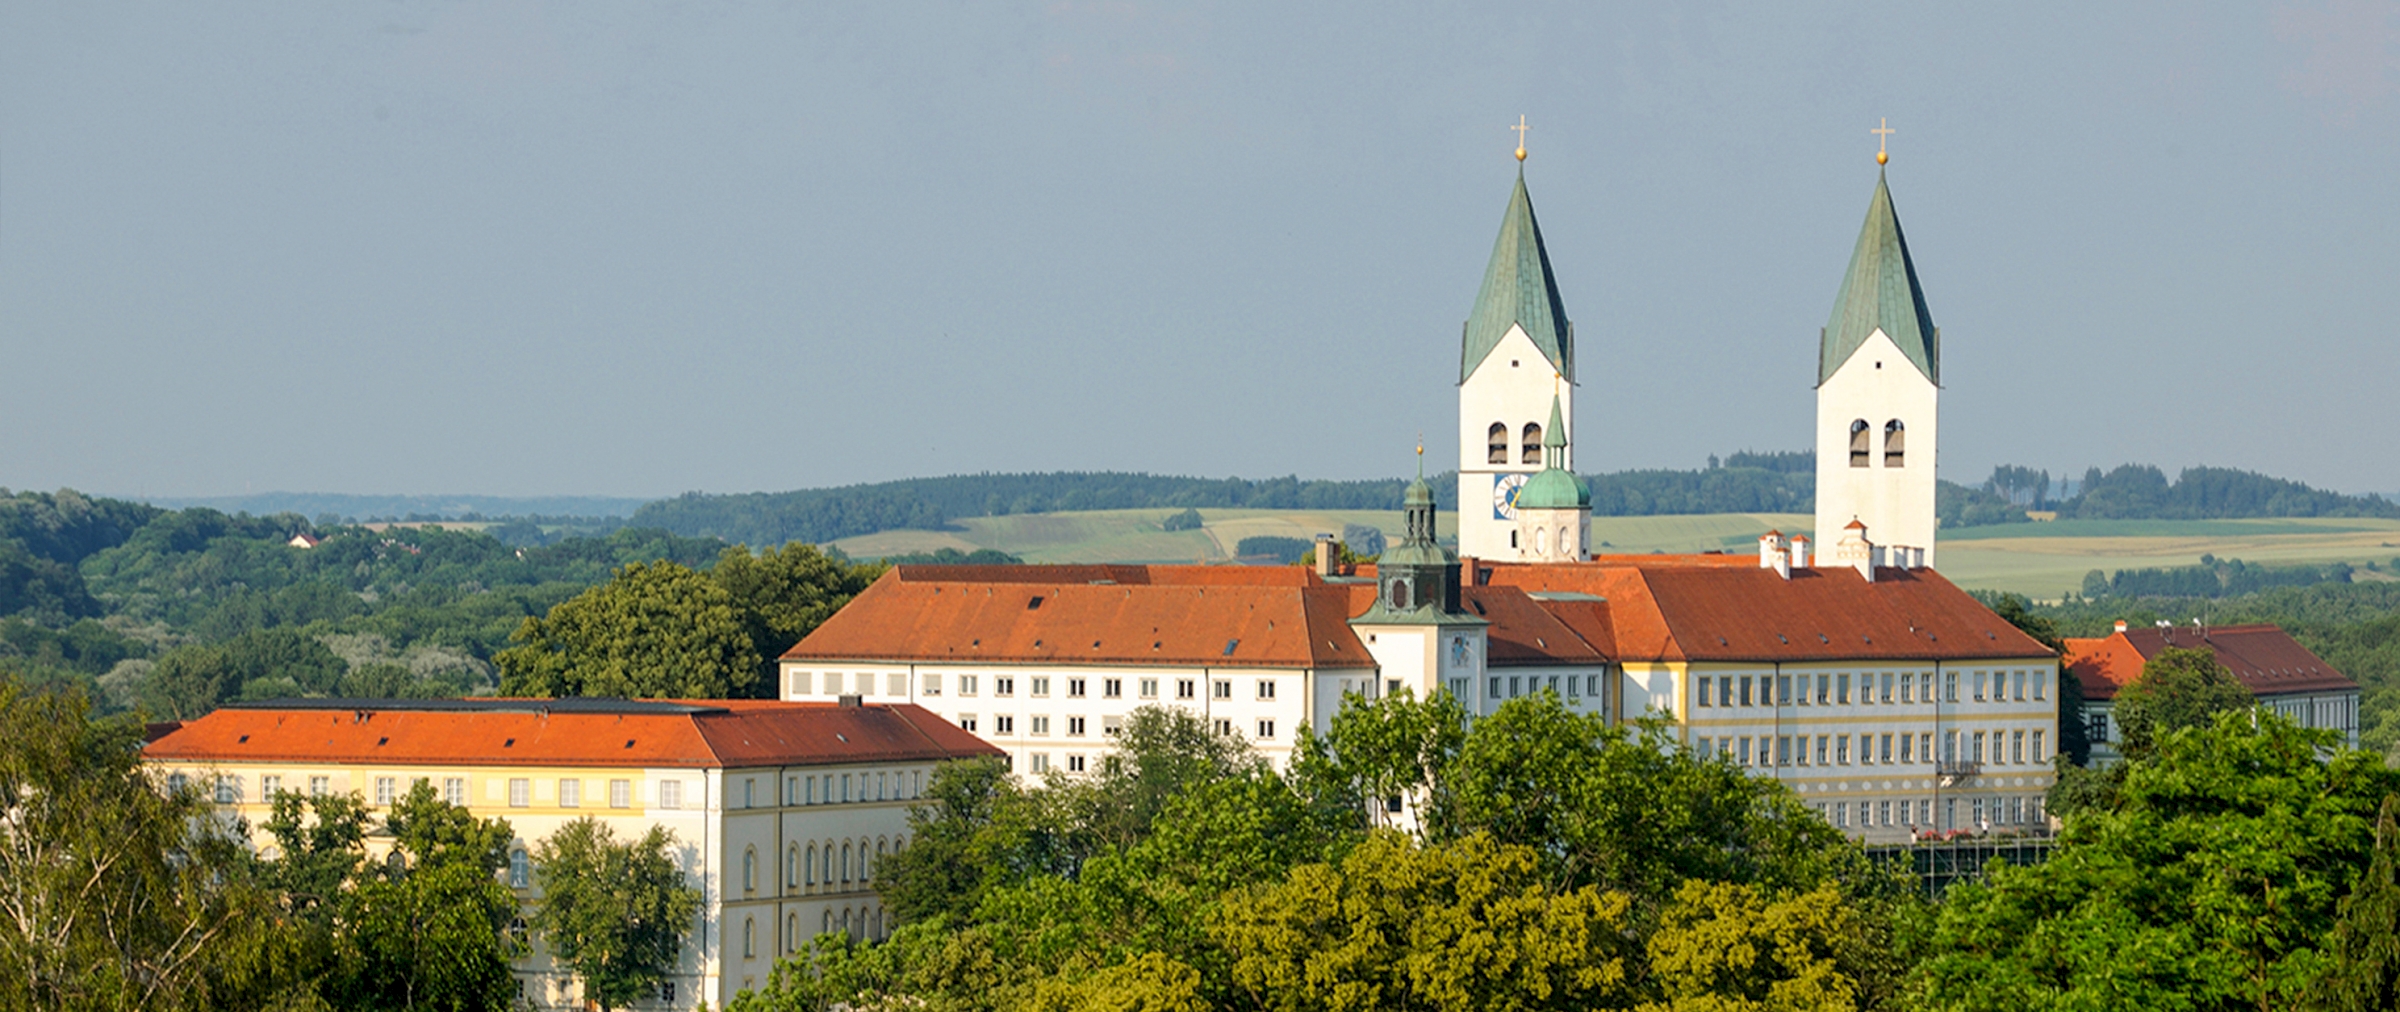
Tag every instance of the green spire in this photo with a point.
(1554, 487)
(1518, 289)
(1555, 437)
(1880, 291)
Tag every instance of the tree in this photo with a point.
(1466, 925)
(1722, 947)
(613, 912)
(319, 843)
(2211, 884)
(2365, 947)
(783, 594)
(1377, 751)
(655, 629)
(2181, 687)
(1188, 520)
(117, 891)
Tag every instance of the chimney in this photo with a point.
(848, 702)
(1799, 551)
(1328, 559)
(1856, 551)
(2120, 625)
(1771, 549)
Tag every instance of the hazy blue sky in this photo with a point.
(635, 249)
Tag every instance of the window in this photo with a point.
(1266, 729)
(1075, 763)
(750, 870)
(319, 787)
(2016, 747)
(228, 790)
(749, 792)
(1041, 762)
(1821, 750)
(1515, 682)
(833, 683)
(2040, 684)
(1979, 686)
(1184, 688)
(1224, 728)
(620, 794)
(1908, 687)
(1573, 683)
(1949, 746)
(520, 792)
(1112, 688)
(808, 866)
(1495, 693)
(1895, 443)
(1112, 726)
(800, 684)
(1978, 753)
(570, 793)
(1745, 690)
(1887, 750)
(1497, 452)
(2019, 695)
(966, 685)
(966, 722)
(1266, 688)
(1075, 727)
(1951, 686)
(1004, 686)
(1841, 688)
(670, 794)
(1783, 690)
(791, 933)
(883, 786)
(845, 862)
(1075, 688)
(1860, 448)
(1041, 687)
(386, 788)
(1703, 747)
(520, 869)
(1041, 725)
(1887, 688)
(895, 685)
(1004, 724)
(1532, 448)
(1841, 749)
(1907, 753)
(933, 683)
(1220, 689)
(1783, 750)
(2037, 747)
(2097, 730)
(1702, 697)
(845, 787)
(454, 790)
(1841, 814)
(1744, 753)
(269, 787)
(1824, 690)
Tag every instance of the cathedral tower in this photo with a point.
(1517, 354)
(1879, 374)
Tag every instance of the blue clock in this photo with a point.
(1504, 495)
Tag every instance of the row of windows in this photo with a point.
(840, 788)
(387, 790)
(1983, 812)
(1496, 448)
(826, 863)
(1039, 726)
(1571, 686)
(870, 923)
(2000, 747)
(1890, 689)
(1038, 686)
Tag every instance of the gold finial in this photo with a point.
(1883, 134)
(1520, 129)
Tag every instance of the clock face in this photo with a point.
(1504, 495)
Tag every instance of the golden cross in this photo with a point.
(1520, 128)
(1883, 135)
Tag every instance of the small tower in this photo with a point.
(1516, 346)
(1417, 630)
(1879, 372)
(1554, 509)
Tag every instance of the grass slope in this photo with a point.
(2042, 560)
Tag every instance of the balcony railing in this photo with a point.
(1957, 769)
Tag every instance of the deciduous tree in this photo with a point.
(614, 912)
(655, 629)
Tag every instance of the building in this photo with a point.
(1890, 699)
(780, 809)
(2284, 676)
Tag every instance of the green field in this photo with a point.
(2043, 560)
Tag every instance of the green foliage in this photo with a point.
(2180, 687)
(117, 892)
(1187, 520)
(2138, 490)
(2211, 883)
(1959, 506)
(1723, 947)
(613, 912)
(1374, 755)
(1272, 546)
(1467, 925)
(782, 594)
(265, 664)
(2365, 948)
(954, 557)
(656, 630)
(2214, 577)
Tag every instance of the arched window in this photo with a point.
(1533, 444)
(845, 920)
(1566, 545)
(880, 851)
(520, 870)
(845, 862)
(750, 870)
(1541, 541)
(1398, 595)
(828, 923)
(791, 933)
(1859, 448)
(809, 863)
(1895, 443)
(825, 870)
(749, 938)
(1498, 451)
(791, 867)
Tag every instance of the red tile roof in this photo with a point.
(2267, 660)
(609, 733)
(1744, 613)
(1219, 616)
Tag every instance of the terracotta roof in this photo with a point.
(1525, 631)
(1219, 616)
(566, 732)
(2266, 659)
(1744, 613)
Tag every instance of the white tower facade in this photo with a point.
(1878, 394)
(1517, 353)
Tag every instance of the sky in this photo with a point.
(637, 249)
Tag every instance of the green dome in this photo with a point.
(1554, 489)
(1419, 494)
